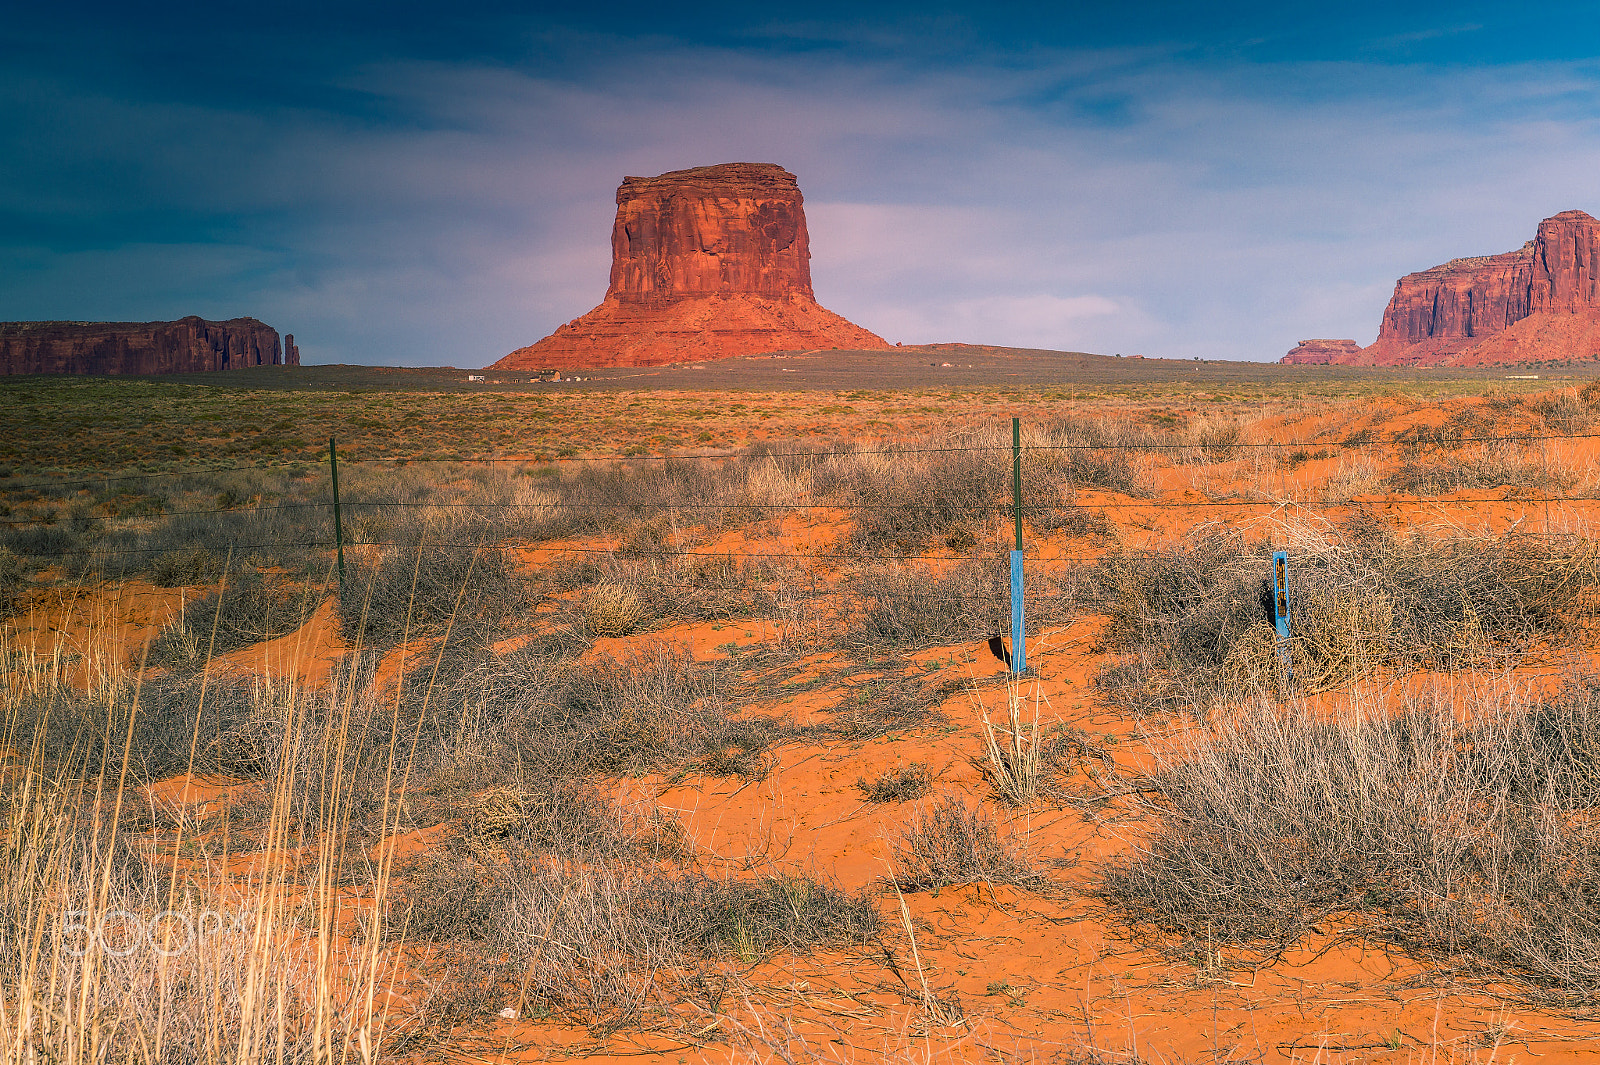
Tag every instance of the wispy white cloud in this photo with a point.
(1107, 200)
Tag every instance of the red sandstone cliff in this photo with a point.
(184, 346)
(705, 263)
(1541, 301)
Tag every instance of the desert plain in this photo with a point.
(664, 715)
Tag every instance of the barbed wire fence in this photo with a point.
(114, 544)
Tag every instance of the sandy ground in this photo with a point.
(1039, 976)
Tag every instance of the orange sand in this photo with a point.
(1039, 976)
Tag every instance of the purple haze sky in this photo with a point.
(401, 184)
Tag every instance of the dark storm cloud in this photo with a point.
(424, 185)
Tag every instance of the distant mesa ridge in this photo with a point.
(706, 263)
(188, 345)
(1321, 352)
(1539, 302)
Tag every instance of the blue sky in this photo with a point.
(430, 184)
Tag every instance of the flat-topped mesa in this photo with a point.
(1320, 352)
(706, 263)
(188, 345)
(1540, 301)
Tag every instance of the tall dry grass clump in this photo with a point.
(120, 942)
(1012, 749)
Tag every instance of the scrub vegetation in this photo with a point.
(554, 676)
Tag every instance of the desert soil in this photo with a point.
(1039, 975)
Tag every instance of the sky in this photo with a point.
(434, 184)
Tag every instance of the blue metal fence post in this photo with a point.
(1019, 655)
(1280, 609)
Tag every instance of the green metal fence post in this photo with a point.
(1019, 656)
(338, 524)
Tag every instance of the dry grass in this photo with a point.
(639, 929)
(552, 898)
(1518, 467)
(112, 945)
(951, 843)
(1013, 750)
(1460, 833)
(613, 608)
(1195, 623)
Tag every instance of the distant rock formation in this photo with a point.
(187, 345)
(705, 264)
(1320, 352)
(1539, 302)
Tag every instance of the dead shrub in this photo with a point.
(1563, 411)
(905, 783)
(13, 583)
(905, 607)
(886, 703)
(1195, 620)
(653, 709)
(250, 607)
(414, 591)
(605, 945)
(1494, 467)
(1467, 842)
(912, 502)
(949, 492)
(951, 843)
(186, 566)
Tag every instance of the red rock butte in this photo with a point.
(185, 346)
(706, 263)
(1539, 302)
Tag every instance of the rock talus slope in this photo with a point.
(705, 263)
(185, 346)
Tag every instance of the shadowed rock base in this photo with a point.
(689, 330)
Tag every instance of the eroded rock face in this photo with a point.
(1448, 315)
(1554, 273)
(187, 345)
(1320, 352)
(714, 230)
(705, 263)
